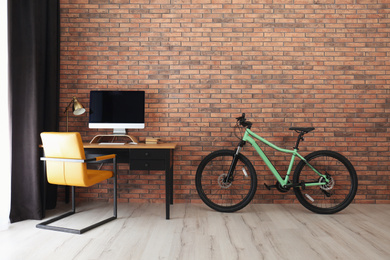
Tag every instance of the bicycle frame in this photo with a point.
(248, 137)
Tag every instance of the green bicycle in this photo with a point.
(324, 182)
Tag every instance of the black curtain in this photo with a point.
(33, 33)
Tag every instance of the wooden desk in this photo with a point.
(142, 156)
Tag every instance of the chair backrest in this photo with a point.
(65, 145)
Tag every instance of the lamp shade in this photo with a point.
(78, 109)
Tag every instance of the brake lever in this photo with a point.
(241, 117)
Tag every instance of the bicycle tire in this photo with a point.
(221, 196)
(336, 195)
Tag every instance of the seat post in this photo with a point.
(300, 137)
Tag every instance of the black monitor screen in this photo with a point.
(126, 107)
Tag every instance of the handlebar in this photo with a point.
(243, 122)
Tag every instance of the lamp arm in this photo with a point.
(70, 103)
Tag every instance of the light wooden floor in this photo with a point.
(196, 232)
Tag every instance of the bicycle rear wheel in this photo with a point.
(334, 196)
(220, 194)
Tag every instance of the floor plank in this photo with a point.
(196, 232)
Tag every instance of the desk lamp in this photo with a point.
(77, 109)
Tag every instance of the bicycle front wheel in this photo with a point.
(334, 196)
(219, 193)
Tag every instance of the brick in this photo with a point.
(204, 62)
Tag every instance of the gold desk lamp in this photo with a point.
(77, 109)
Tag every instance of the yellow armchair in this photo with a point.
(66, 165)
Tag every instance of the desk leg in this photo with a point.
(171, 185)
(168, 183)
(167, 192)
(171, 177)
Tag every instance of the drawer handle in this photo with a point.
(146, 154)
(146, 164)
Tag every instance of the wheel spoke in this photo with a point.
(225, 196)
(337, 193)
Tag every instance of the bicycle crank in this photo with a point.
(278, 187)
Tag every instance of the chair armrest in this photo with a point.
(105, 157)
(99, 158)
(62, 159)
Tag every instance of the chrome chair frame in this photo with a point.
(45, 224)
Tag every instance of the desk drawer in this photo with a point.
(122, 155)
(147, 165)
(147, 154)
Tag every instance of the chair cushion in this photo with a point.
(96, 176)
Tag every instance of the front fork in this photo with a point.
(230, 176)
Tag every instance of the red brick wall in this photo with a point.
(321, 63)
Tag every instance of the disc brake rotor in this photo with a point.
(222, 183)
(329, 185)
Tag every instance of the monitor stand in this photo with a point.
(114, 139)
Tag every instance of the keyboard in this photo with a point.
(111, 143)
(107, 143)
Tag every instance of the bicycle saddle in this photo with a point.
(302, 129)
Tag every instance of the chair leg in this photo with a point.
(45, 224)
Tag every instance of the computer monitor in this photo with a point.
(117, 110)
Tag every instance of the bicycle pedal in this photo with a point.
(269, 187)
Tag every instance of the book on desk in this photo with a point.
(151, 140)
